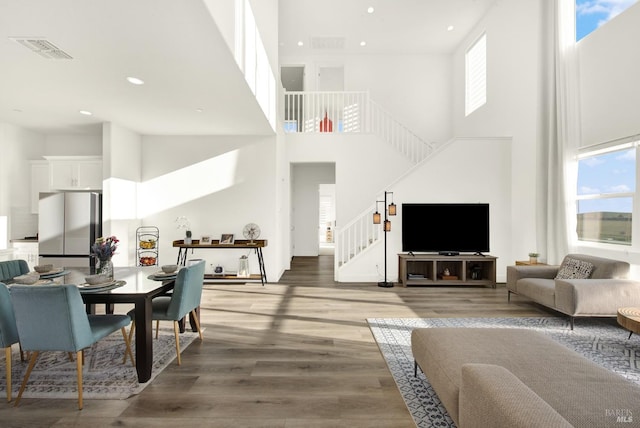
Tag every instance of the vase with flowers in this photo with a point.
(103, 250)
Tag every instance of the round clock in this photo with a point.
(251, 231)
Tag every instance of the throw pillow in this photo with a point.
(574, 269)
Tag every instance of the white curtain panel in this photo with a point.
(558, 166)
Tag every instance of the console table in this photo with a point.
(432, 269)
(256, 245)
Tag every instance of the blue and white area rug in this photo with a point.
(600, 340)
(104, 376)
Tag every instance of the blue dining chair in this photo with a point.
(8, 332)
(184, 300)
(53, 318)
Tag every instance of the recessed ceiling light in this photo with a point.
(135, 80)
(370, 9)
(199, 110)
(363, 43)
(450, 28)
(85, 112)
(300, 43)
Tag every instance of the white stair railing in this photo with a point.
(399, 136)
(350, 112)
(355, 237)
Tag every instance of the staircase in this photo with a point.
(352, 112)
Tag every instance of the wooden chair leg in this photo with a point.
(197, 322)
(127, 351)
(7, 357)
(131, 331)
(176, 332)
(32, 363)
(79, 363)
(157, 327)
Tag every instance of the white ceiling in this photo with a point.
(395, 26)
(175, 47)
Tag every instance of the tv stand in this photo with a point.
(432, 269)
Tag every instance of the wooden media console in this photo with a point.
(436, 269)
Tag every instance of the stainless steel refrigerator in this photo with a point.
(68, 224)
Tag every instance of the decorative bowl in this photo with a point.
(147, 245)
(28, 278)
(147, 261)
(169, 268)
(43, 268)
(96, 279)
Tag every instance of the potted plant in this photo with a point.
(533, 258)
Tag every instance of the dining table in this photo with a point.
(139, 286)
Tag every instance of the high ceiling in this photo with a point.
(395, 26)
(192, 84)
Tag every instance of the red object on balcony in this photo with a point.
(326, 125)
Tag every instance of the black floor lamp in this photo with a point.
(389, 210)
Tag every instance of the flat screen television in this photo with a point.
(445, 228)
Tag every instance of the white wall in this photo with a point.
(223, 13)
(121, 163)
(365, 165)
(73, 145)
(220, 183)
(306, 179)
(18, 147)
(513, 31)
(414, 89)
(463, 171)
(609, 86)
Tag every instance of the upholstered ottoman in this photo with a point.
(571, 389)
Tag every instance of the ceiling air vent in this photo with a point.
(327, 42)
(42, 47)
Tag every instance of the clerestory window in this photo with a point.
(476, 75)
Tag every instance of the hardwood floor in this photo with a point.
(297, 353)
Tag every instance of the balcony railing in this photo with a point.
(350, 112)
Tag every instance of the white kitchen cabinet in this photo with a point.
(26, 250)
(39, 182)
(75, 173)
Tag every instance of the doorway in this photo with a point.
(327, 218)
(331, 78)
(292, 79)
(306, 179)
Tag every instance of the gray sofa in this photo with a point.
(606, 289)
(9, 269)
(519, 378)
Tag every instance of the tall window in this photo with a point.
(605, 194)
(476, 75)
(591, 14)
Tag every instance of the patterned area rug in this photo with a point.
(600, 340)
(104, 376)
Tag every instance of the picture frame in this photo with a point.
(226, 238)
(205, 240)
